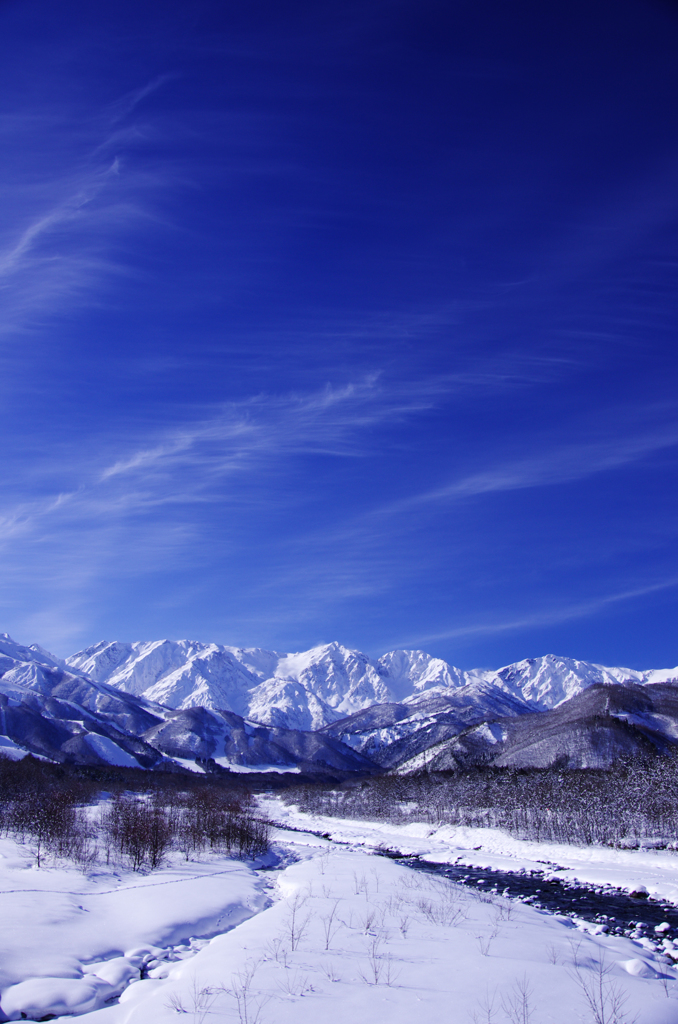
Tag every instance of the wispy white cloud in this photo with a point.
(543, 618)
(250, 443)
(238, 459)
(24, 516)
(333, 420)
(182, 465)
(61, 214)
(248, 434)
(558, 464)
(126, 104)
(134, 509)
(58, 244)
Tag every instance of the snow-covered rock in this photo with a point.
(118, 972)
(40, 998)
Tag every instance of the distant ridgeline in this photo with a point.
(177, 705)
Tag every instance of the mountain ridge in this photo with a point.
(52, 710)
(312, 689)
(593, 729)
(326, 708)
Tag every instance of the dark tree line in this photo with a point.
(144, 830)
(137, 819)
(634, 802)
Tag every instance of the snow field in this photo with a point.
(352, 936)
(59, 925)
(491, 848)
(337, 934)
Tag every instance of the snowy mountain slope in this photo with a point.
(543, 682)
(591, 730)
(227, 739)
(279, 702)
(312, 689)
(300, 691)
(390, 734)
(178, 674)
(345, 680)
(53, 712)
(412, 672)
(56, 712)
(547, 682)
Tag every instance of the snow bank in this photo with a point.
(351, 936)
(55, 920)
(655, 871)
(39, 997)
(344, 935)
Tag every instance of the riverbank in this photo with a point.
(328, 931)
(492, 849)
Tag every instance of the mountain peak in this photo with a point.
(313, 688)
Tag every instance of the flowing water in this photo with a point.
(616, 910)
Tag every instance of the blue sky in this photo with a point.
(348, 321)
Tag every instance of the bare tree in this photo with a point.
(295, 984)
(517, 1004)
(296, 922)
(487, 1010)
(604, 997)
(248, 1005)
(331, 924)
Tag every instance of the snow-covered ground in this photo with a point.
(491, 848)
(332, 933)
(57, 920)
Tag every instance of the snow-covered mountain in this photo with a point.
(294, 691)
(156, 702)
(409, 673)
(595, 728)
(315, 688)
(547, 682)
(54, 710)
(390, 734)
